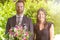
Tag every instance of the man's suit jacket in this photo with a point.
(12, 22)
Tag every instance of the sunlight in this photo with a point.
(57, 37)
(54, 7)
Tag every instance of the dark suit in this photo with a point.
(12, 22)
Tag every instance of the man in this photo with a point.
(23, 20)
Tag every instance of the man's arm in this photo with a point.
(7, 27)
(31, 30)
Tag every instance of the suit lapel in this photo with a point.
(14, 20)
(24, 20)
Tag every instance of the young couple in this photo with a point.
(42, 30)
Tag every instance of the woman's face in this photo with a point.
(41, 16)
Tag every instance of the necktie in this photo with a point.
(18, 22)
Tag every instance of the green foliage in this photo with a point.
(1, 34)
(6, 11)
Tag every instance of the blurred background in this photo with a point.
(52, 7)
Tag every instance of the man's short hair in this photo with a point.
(20, 1)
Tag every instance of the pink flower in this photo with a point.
(26, 34)
(11, 32)
(19, 32)
(17, 27)
(16, 34)
(21, 27)
(24, 38)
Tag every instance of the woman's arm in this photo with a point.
(52, 32)
(34, 31)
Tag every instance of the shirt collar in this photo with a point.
(21, 15)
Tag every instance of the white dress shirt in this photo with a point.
(20, 18)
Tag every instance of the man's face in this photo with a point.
(19, 7)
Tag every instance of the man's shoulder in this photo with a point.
(12, 17)
(28, 18)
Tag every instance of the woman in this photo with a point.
(44, 30)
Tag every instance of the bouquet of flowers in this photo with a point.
(19, 33)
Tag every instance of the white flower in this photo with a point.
(57, 37)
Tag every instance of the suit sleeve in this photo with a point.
(31, 30)
(7, 26)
